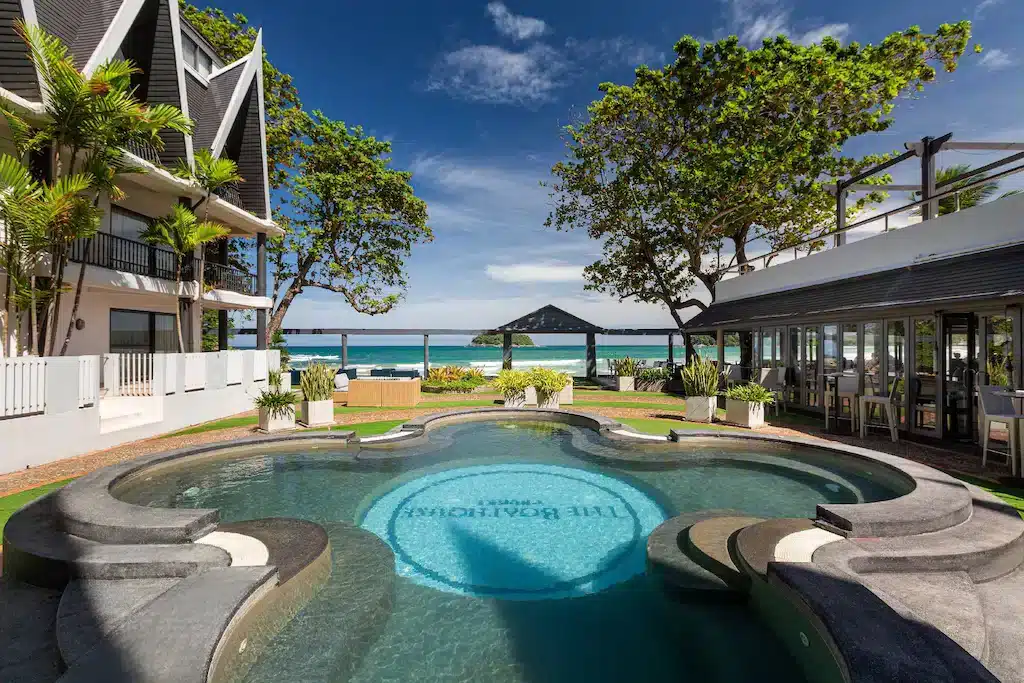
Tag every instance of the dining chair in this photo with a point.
(999, 409)
(848, 390)
(887, 403)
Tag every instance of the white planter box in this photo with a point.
(317, 413)
(744, 414)
(551, 403)
(518, 402)
(564, 397)
(276, 424)
(701, 408)
(624, 383)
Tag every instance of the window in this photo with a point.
(195, 56)
(873, 350)
(142, 332)
(127, 224)
(999, 332)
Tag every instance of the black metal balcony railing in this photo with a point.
(230, 194)
(130, 256)
(144, 151)
(219, 276)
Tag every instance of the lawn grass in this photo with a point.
(662, 427)
(362, 428)
(1012, 496)
(10, 504)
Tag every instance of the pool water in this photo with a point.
(517, 552)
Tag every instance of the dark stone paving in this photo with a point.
(755, 545)
(28, 642)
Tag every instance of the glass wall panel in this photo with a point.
(165, 337)
(850, 360)
(896, 349)
(810, 373)
(923, 383)
(832, 351)
(130, 332)
(779, 359)
(767, 347)
(999, 332)
(874, 347)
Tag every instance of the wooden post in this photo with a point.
(344, 351)
(506, 351)
(931, 209)
(840, 239)
(721, 349)
(671, 359)
(591, 356)
(222, 316)
(426, 356)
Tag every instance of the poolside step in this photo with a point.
(668, 560)
(1003, 603)
(37, 552)
(709, 543)
(125, 412)
(172, 639)
(92, 609)
(988, 545)
(876, 642)
(755, 545)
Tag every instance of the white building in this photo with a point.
(122, 379)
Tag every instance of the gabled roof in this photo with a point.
(993, 274)
(550, 319)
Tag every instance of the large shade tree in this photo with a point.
(727, 145)
(350, 221)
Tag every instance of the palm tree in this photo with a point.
(979, 194)
(183, 232)
(210, 174)
(88, 119)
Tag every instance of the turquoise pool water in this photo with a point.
(518, 552)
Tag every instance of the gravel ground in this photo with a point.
(967, 463)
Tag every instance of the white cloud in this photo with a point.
(539, 272)
(984, 5)
(515, 26)
(996, 59)
(617, 50)
(754, 21)
(489, 73)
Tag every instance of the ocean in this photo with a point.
(571, 359)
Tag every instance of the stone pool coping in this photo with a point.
(88, 509)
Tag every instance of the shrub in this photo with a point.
(274, 379)
(512, 384)
(648, 378)
(700, 378)
(278, 403)
(625, 367)
(317, 382)
(998, 374)
(457, 387)
(548, 382)
(751, 393)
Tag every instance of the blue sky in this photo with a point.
(473, 96)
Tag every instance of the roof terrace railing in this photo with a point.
(927, 205)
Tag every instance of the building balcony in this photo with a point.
(230, 194)
(130, 256)
(230, 279)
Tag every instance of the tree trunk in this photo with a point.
(177, 308)
(277, 318)
(58, 287)
(33, 340)
(78, 300)
(8, 312)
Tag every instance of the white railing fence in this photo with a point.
(135, 374)
(88, 380)
(195, 371)
(259, 366)
(22, 386)
(235, 364)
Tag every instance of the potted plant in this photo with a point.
(652, 379)
(700, 386)
(317, 384)
(744, 405)
(548, 385)
(625, 370)
(512, 385)
(277, 410)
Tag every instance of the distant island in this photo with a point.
(496, 340)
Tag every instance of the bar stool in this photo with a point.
(888, 404)
(998, 409)
(847, 389)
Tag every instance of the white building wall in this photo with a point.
(996, 224)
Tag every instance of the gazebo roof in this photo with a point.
(550, 320)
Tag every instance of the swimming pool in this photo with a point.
(517, 551)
